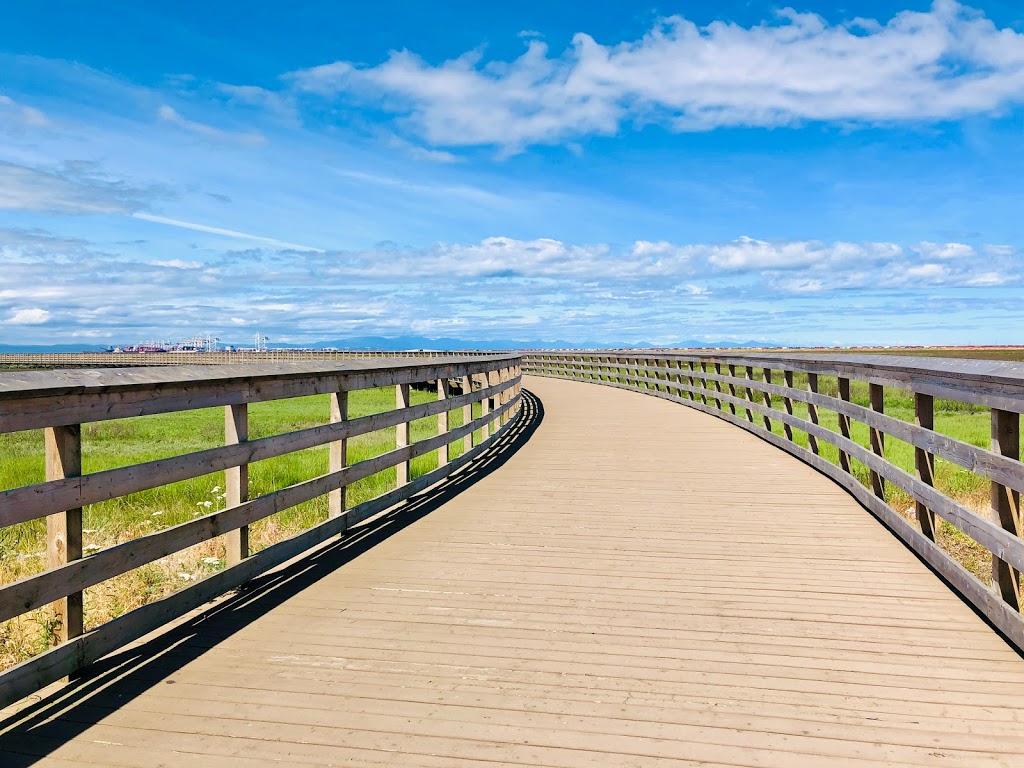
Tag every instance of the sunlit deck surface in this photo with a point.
(626, 582)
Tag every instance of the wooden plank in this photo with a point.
(63, 447)
(1006, 505)
(924, 462)
(876, 394)
(338, 455)
(236, 430)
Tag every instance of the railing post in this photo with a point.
(338, 457)
(812, 412)
(236, 480)
(64, 529)
(485, 407)
(1006, 503)
(924, 462)
(732, 387)
(692, 379)
(444, 452)
(877, 395)
(718, 385)
(467, 413)
(844, 423)
(403, 434)
(766, 375)
(750, 393)
(787, 403)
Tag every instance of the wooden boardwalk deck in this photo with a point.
(638, 584)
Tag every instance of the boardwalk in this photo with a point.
(638, 584)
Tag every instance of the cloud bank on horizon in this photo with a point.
(802, 178)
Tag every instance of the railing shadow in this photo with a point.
(38, 730)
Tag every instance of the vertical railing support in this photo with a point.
(64, 529)
(732, 387)
(236, 480)
(485, 407)
(444, 452)
(1006, 503)
(787, 403)
(844, 423)
(766, 375)
(403, 434)
(467, 413)
(876, 393)
(812, 412)
(338, 455)
(924, 462)
(750, 393)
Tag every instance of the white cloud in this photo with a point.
(945, 63)
(171, 115)
(492, 288)
(944, 250)
(19, 118)
(73, 188)
(32, 316)
(177, 264)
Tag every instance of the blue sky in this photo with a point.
(590, 172)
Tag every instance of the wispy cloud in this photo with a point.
(72, 188)
(945, 63)
(208, 132)
(270, 241)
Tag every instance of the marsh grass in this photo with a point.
(111, 444)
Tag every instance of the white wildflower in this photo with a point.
(211, 560)
(91, 547)
(207, 504)
(216, 489)
(157, 514)
(186, 576)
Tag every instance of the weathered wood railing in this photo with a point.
(222, 357)
(60, 402)
(740, 389)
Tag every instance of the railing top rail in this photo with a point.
(30, 383)
(1001, 378)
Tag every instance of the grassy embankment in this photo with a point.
(111, 444)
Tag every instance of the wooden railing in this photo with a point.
(757, 392)
(60, 402)
(123, 359)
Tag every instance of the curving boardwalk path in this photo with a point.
(638, 584)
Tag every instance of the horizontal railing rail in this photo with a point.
(757, 392)
(221, 357)
(486, 389)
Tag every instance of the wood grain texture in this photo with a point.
(628, 609)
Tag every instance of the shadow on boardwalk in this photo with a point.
(37, 730)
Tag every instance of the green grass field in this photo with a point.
(106, 445)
